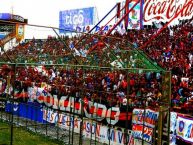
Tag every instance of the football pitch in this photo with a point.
(23, 137)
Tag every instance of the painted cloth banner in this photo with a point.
(115, 136)
(173, 120)
(149, 119)
(64, 120)
(103, 133)
(71, 19)
(66, 103)
(184, 128)
(30, 110)
(120, 28)
(139, 132)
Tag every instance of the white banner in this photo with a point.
(149, 119)
(173, 120)
(184, 128)
(66, 103)
(103, 133)
(120, 28)
(62, 119)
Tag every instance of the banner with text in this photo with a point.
(91, 109)
(71, 19)
(142, 132)
(103, 134)
(143, 123)
(148, 118)
(185, 128)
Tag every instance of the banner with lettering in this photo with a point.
(91, 109)
(104, 134)
(64, 120)
(143, 123)
(142, 132)
(91, 129)
(120, 28)
(148, 117)
(70, 19)
(184, 128)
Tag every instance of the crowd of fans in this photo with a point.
(172, 50)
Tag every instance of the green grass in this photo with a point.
(23, 137)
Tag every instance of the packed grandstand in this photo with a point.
(171, 51)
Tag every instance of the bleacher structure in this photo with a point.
(102, 57)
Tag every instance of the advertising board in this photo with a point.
(70, 19)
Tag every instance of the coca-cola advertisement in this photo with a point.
(148, 11)
(167, 10)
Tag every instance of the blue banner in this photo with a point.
(2, 36)
(30, 110)
(71, 19)
(5, 16)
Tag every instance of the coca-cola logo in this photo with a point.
(165, 10)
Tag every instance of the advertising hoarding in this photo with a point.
(70, 19)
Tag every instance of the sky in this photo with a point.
(46, 12)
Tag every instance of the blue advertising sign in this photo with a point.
(70, 19)
(5, 16)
